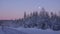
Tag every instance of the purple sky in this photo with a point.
(14, 9)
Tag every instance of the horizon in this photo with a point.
(14, 9)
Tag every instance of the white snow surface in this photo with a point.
(37, 31)
(21, 30)
(7, 30)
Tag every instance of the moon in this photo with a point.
(39, 7)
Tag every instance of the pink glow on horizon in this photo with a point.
(9, 18)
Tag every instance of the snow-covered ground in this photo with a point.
(10, 31)
(21, 30)
(37, 31)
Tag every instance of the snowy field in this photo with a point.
(20, 30)
(10, 31)
(36, 31)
